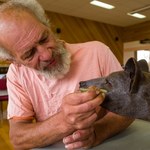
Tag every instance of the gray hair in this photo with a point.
(4, 54)
(30, 5)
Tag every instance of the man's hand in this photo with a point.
(79, 109)
(80, 139)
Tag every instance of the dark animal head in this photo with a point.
(128, 91)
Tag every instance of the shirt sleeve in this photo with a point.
(19, 104)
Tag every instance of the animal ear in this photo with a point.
(135, 73)
(143, 65)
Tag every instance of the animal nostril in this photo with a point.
(82, 84)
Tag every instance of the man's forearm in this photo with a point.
(76, 112)
(110, 125)
(30, 135)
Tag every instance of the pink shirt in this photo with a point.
(32, 95)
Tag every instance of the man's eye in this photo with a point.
(30, 54)
(44, 40)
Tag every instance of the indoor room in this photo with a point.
(121, 27)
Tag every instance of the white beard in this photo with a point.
(62, 67)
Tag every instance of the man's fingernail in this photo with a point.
(103, 95)
(76, 136)
(97, 92)
(65, 140)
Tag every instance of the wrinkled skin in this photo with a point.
(127, 91)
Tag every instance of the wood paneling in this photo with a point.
(76, 30)
(137, 32)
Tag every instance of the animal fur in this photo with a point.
(128, 91)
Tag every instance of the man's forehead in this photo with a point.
(13, 28)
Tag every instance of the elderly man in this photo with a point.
(45, 105)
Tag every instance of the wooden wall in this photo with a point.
(137, 32)
(76, 30)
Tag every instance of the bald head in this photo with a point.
(13, 25)
(32, 6)
(12, 15)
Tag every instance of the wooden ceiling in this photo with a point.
(83, 9)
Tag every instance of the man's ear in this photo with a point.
(135, 73)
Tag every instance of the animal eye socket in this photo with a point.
(107, 82)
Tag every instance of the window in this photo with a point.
(144, 54)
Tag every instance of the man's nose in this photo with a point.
(44, 53)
